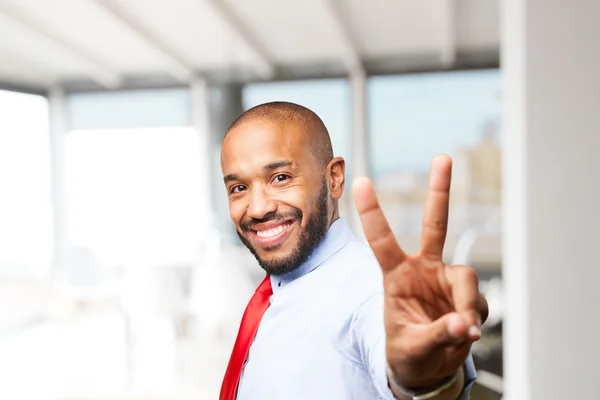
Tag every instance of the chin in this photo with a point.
(279, 263)
(275, 254)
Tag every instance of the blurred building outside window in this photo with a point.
(414, 117)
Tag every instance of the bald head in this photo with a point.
(310, 125)
(282, 182)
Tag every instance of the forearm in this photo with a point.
(452, 392)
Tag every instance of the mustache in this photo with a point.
(272, 216)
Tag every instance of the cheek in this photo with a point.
(236, 210)
(295, 198)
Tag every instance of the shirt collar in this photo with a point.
(338, 235)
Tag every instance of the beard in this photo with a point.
(308, 238)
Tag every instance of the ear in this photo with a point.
(336, 169)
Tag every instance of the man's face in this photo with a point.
(278, 193)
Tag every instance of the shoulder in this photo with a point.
(358, 314)
(359, 276)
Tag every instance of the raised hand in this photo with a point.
(433, 312)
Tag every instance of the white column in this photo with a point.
(59, 125)
(551, 169)
(201, 122)
(359, 144)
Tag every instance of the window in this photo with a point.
(134, 194)
(25, 203)
(133, 180)
(414, 117)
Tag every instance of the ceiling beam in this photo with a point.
(179, 68)
(101, 72)
(346, 36)
(448, 33)
(21, 88)
(265, 67)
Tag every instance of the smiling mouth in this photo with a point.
(269, 233)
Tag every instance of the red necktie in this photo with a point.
(254, 311)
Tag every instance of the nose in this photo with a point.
(260, 204)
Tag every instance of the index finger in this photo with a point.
(435, 213)
(375, 226)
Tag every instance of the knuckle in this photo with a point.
(383, 238)
(441, 224)
(437, 224)
(467, 274)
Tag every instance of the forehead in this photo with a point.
(258, 143)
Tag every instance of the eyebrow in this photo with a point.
(230, 177)
(277, 164)
(268, 167)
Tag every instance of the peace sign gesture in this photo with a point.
(432, 311)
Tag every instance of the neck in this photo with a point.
(335, 214)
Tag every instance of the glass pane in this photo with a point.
(133, 195)
(26, 248)
(130, 109)
(414, 117)
(25, 203)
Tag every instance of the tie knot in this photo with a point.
(265, 286)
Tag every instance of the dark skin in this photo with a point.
(281, 174)
(432, 311)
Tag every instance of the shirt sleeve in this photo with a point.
(368, 336)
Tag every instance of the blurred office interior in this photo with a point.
(121, 275)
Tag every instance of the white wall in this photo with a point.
(551, 61)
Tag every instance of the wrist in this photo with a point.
(447, 389)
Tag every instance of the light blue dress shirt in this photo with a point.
(323, 336)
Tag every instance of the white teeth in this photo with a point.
(272, 232)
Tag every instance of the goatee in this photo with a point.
(308, 239)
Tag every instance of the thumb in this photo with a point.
(450, 330)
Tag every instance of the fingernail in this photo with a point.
(474, 331)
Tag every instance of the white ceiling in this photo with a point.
(111, 43)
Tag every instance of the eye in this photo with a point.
(237, 188)
(281, 178)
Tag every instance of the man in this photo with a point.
(335, 318)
